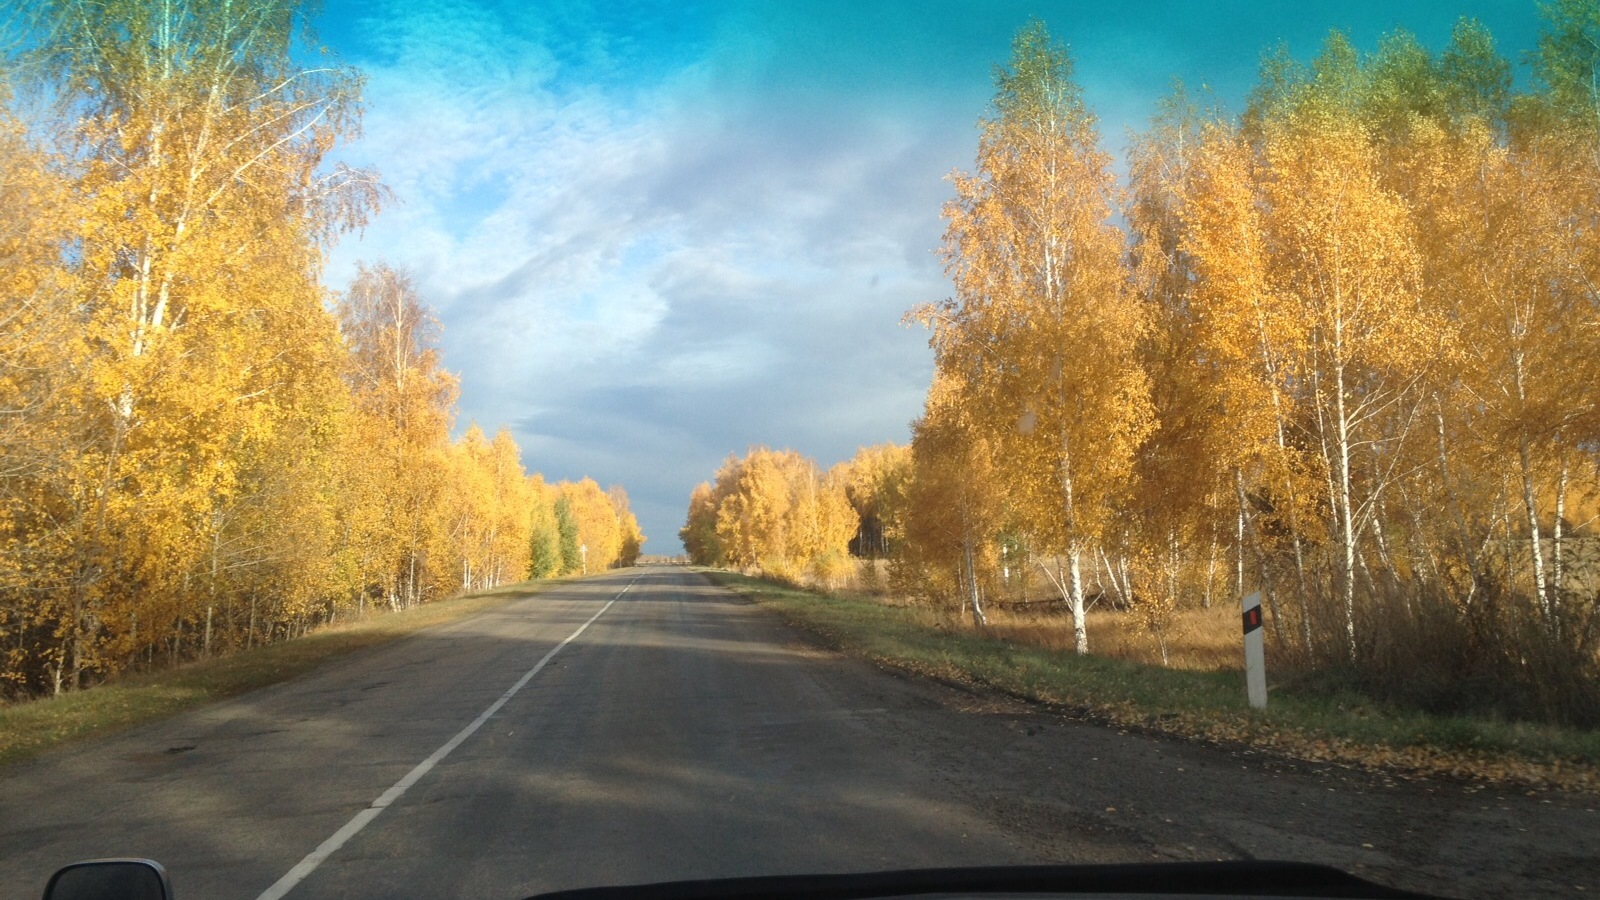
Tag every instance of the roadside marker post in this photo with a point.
(1255, 654)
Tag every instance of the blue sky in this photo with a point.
(660, 233)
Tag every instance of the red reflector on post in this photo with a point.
(1252, 619)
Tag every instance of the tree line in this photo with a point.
(1341, 349)
(773, 511)
(201, 447)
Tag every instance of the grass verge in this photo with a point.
(1209, 706)
(29, 728)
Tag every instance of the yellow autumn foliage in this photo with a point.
(1345, 357)
(201, 448)
(775, 512)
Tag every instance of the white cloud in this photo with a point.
(642, 278)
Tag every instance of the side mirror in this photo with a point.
(110, 879)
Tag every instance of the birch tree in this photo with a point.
(1345, 260)
(699, 532)
(954, 505)
(632, 539)
(1043, 329)
(874, 484)
(198, 138)
(544, 537)
(398, 382)
(1174, 528)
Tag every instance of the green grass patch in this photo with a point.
(31, 727)
(1304, 723)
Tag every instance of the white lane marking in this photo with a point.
(328, 847)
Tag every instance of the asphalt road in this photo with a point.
(684, 734)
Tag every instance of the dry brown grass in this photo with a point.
(1200, 640)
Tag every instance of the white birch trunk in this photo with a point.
(1535, 544)
(1238, 581)
(1080, 630)
(978, 618)
(1346, 518)
(1455, 501)
(1556, 539)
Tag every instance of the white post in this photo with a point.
(1255, 654)
(584, 552)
